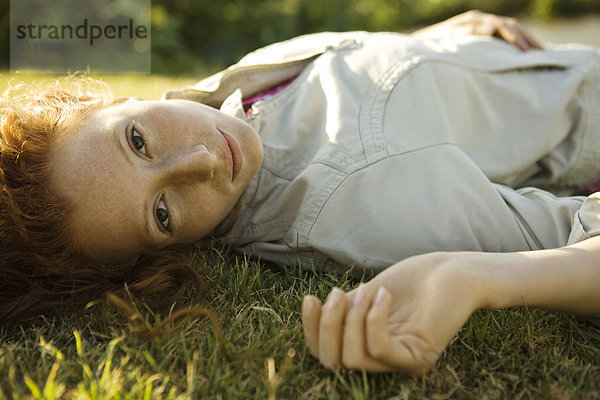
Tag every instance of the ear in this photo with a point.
(125, 99)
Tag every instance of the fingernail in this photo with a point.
(307, 304)
(361, 294)
(334, 297)
(380, 295)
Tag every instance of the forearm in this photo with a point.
(564, 279)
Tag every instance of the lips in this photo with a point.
(234, 154)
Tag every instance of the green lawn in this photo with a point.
(515, 353)
(144, 86)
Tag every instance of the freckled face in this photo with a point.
(144, 175)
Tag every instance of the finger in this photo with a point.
(512, 36)
(354, 351)
(331, 328)
(533, 42)
(354, 355)
(379, 343)
(527, 40)
(311, 313)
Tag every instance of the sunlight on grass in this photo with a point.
(144, 86)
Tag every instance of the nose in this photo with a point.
(195, 164)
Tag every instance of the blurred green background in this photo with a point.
(195, 36)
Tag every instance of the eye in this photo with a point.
(137, 141)
(162, 215)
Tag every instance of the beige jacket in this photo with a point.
(386, 146)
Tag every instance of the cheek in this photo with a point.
(108, 217)
(103, 233)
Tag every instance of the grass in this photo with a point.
(145, 86)
(516, 353)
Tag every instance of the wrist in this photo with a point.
(487, 277)
(472, 274)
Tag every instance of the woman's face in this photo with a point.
(143, 175)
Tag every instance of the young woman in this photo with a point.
(329, 150)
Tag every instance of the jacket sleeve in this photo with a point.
(587, 220)
(436, 199)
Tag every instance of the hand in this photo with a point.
(401, 320)
(478, 23)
